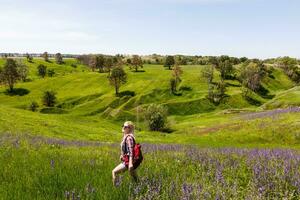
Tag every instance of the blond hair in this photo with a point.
(130, 125)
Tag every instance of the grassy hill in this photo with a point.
(249, 149)
(87, 108)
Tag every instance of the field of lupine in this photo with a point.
(44, 168)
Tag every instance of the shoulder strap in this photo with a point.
(126, 142)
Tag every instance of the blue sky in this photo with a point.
(252, 28)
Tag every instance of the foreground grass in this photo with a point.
(33, 169)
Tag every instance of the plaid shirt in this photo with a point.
(129, 144)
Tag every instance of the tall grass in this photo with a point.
(35, 169)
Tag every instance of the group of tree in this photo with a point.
(58, 58)
(98, 62)
(188, 60)
(113, 65)
(224, 65)
(42, 71)
(102, 63)
(290, 67)
(12, 72)
(216, 90)
(251, 75)
(48, 99)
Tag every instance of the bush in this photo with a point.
(156, 116)
(51, 72)
(42, 70)
(49, 98)
(33, 106)
(73, 65)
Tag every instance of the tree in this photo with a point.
(290, 67)
(156, 116)
(170, 61)
(22, 70)
(42, 70)
(9, 74)
(97, 62)
(45, 56)
(251, 75)
(225, 68)
(287, 62)
(243, 59)
(1, 79)
(108, 64)
(49, 98)
(117, 78)
(29, 57)
(213, 61)
(223, 65)
(175, 80)
(136, 62)
(183, 60)
(208, 73)
(100, 60)
(128, 61)
(92, 63)
(216, 92)
(59, 58)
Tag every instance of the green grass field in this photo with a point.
(88, 111)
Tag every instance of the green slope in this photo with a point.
(89, 109)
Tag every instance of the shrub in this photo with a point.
(156, 116)
(51, 72)
(49, 98)
(33, 106)
(73, 65)
(42, 70)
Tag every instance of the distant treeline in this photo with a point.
(161, 59)
(12, 55)
(148, 59)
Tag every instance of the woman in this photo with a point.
(127, 146)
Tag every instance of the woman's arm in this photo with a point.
(130, 144)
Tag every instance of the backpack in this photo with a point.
(137, 155)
